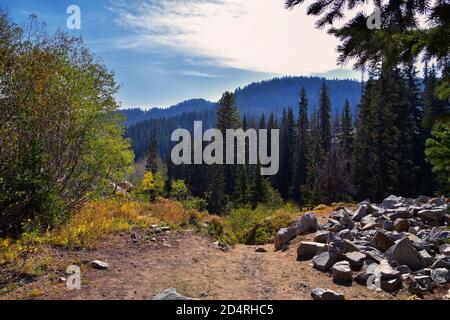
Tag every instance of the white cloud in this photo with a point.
(257, 35)
(193, 73)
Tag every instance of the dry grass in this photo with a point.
(27, 256)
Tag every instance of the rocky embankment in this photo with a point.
(400, 243)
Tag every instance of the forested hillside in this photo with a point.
(268, 96)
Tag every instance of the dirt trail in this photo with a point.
(197, 268)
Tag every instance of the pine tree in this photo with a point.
(259, 187)
(346, 137)
(242, 189)
(228, 118)
(287, 151)
(152, 156)
(333, 184)
(315, 158)
(302, 149)
(325, 118)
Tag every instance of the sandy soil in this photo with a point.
(195, 267)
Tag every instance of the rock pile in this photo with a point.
(398, 243)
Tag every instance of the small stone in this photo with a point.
(307, 249)
(355, 259)
(401, 225)
(403, 269)
(363, 276)
(381, 241)
(391, 285)
(445, 249)
(346, 234)
(261, 250)
(100, 265)
(386, 272)
(387, 225)
(325, 260)
(325, 294)
(360, 213)
(346, 222)
(342, 273)
(440, 275)
(441, 262)
(321, 236)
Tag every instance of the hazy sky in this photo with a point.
(165, 51)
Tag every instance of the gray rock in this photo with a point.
(307, 223)
(355, 259)
(441, 262)
(387, 225)
(375, 210)
(346, 234)
(367, 271)
(400, 213)
(386, 272)
(283, 236)
(433, 214)
(440, 201)
(373, 254)
(404, 253)
(426, 256)
(321, 236)
(307, 249)
(390, 202)
(360, 213)
(100, 265)
(403, 269)
(445, 249)
(342, 273)
(425, 282)
(391, 285)
(325, 294)
(325, 260)
(401, 225)
(346, 222)
(170, 294)
(414, 230)
(422, 199)
(440, 275)
(381, 241)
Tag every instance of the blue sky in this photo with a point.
(167, 51)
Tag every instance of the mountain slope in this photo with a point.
(263, 97)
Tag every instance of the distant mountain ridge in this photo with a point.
(263, 97)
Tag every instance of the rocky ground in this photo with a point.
(398, 244)
(329, 263)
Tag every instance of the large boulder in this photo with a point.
(325, 260)
(307, 223)
(403, 252)
(284, 235)
(381, 241)
(307, 249)
(325, 294)
(342, 272)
